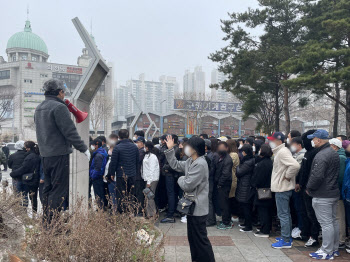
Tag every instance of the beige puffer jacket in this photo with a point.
(235, 159)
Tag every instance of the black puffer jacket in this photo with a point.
(16, 159)
(31, 164)
(323, 180)
(223, 171)
(262, 178)
(167, 170)
(244, 173)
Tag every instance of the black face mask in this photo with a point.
(347, 154)
(222, 152)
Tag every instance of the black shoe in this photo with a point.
(342, 245)
(241, 225)
(168, 220)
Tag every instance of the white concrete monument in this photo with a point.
(81, 98)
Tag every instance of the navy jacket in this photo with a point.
(98, 164)
(16, 159)
(125, 159)
(31, 164)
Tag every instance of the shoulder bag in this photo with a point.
(264, 193)
(186, 204)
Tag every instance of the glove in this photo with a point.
(87, 153)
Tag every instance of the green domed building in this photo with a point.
(26, 46)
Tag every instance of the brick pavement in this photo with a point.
(233, 245)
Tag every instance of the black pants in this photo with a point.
(56, 185)
(248, 216)
(200, 246)
(161, 197)
(211, 219)
(125, 193)
(139, 187)
(225, 204)
(33, 196)
(234, 206)
(41, 190)
(314, 225)
(265, 217)
(99, 190)
(5, 164)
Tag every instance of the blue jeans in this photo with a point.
(283, 212)
(172, 191)
(112, 193)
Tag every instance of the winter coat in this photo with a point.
(284, 166)
(2, 158)
(299, 156)
(30, 164)
(16, 160)
(262, 178)
(235, 160)
(98, 164)
(167, 170)
(6, 151)
(323, 180)
(305, 168)
(141, 156)
(342, 160)
(150, 168)
(346, 181)
(223, 171)
(244, 173)
(55, 130)
(213, 159)
(196, 180)
(125, 159)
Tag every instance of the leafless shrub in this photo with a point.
(84, 235)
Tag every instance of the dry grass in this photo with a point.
(81, 236)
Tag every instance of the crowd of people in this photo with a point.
(304, 179)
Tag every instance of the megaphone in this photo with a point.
(80, 116)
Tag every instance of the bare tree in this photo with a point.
(101, 109)
(6, 103)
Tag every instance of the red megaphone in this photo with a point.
(79, 115)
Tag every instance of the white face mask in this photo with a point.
(188, 151)
(160, 142)
(312, 143)
(92, 147)
(240, 146)
(110, 152)
(254, 148)
(134, 138)
(112, 142)
(293, 149)
(272, 144)
(288, 141)
(145, 149)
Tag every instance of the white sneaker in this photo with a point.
(234, 219)
(296, 233)
(184, 219)
(310, 243)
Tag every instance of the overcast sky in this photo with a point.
(155, 37)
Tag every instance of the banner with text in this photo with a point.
(180, 104)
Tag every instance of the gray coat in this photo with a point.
(195, 179)
(55, 130)
(323, 180)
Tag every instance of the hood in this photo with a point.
(341, 152)
(306, 141)
(101, 151)
(19, 145)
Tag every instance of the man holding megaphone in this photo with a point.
(56, 133)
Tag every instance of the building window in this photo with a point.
(34, 58)
(43, 75)
(28, 81)
(14, 58)
(5, 74)
(24, 57)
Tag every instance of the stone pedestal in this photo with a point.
(82, 96)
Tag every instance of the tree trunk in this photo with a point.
(348, 112)
(277, 116)
(286, 108)
(336, 110)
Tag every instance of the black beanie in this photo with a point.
(198, 145)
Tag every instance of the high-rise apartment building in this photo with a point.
(194, 82)
(219, 95)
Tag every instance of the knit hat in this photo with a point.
(336, 142)
(346, 143)
(198, 145)
(19, 145)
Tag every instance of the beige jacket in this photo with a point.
(235, 159)
(284, 166)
